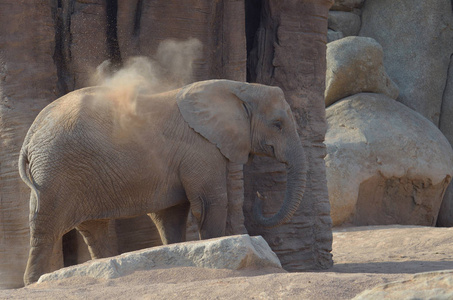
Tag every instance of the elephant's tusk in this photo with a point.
(261, 197)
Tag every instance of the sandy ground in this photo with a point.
(364, 257)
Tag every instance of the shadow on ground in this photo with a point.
(409, 267)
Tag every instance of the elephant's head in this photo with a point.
(243, 119)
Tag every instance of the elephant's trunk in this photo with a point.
(296, 177)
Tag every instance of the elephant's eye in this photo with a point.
(277, 124)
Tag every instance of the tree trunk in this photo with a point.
(289, 51)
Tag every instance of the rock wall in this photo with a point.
(417, 38)
(446, 126)
(28, 82)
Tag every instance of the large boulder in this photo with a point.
(429, 285)
(233, 252)
(386, 164)
(355, 65)
(417, 38)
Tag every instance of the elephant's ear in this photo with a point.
(213, 110)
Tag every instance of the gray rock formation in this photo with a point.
(334, 35)
(446, 119)
(446, 126)
(417, 38)
(234, 253)
(430, 285)
(346, 22)
(386, 164)
(354, 65)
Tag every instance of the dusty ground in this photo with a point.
(364, 257)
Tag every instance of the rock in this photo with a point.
(430, 285)
(445, 217)
(446, 120)
(334, 35)
(346, 22)
(386, 164)
(233, 252)
(347, 5)
(354, 65)
(446, 126)
(417, 39)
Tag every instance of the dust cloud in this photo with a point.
(171, 67)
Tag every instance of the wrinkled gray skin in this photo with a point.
(92, 156)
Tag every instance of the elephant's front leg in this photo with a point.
(213, 222)
(235, 186)
(209, 205)
(204, 178)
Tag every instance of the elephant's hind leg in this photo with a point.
(100, 238)
(45, 249)
(40, 260)
(171, 223)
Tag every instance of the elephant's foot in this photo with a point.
(39, 262)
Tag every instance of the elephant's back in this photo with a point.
(74, 143)
(79, 125)
(66, 111)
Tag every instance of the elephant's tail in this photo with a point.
(26, 177)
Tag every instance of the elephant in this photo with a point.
(97, 154)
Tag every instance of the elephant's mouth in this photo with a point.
(270, 149)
